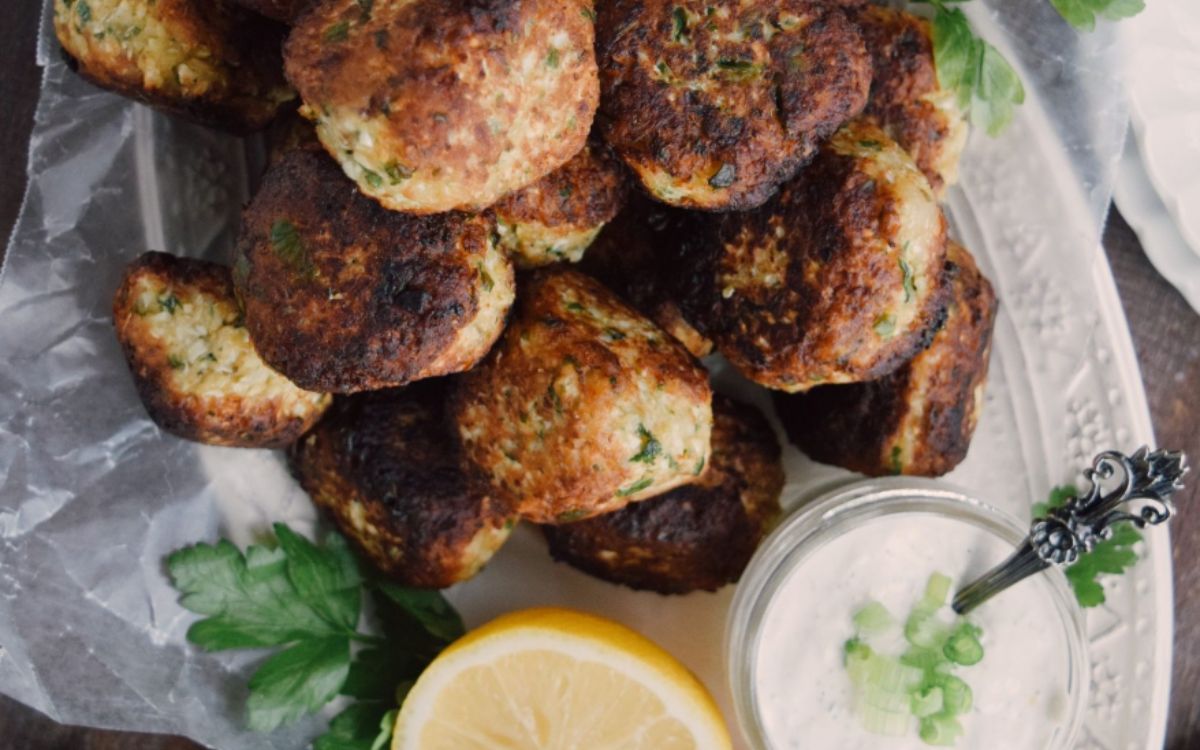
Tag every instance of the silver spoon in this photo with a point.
(1149, 477)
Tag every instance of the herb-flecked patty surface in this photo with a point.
(835, 280)
(637, 256)
(557, 218)
(584, 405)
(431, 105)
(715, 104)
(387, 468)
(906, 100)
(195, 369)
(920, 419)
(342, 295)
(206, 60)
(695, 537)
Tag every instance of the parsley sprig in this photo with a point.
(305, 601)
(1111, 556)
(1082, 13)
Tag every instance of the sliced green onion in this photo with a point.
(873, 618)
(940, 730)
(924, 659)
(926, 702)
(886, 723)
(936, 590)
(963, 646)
(957, 698)
(924, 630)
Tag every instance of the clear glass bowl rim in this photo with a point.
(849, 506)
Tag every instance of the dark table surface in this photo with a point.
(1166, 334)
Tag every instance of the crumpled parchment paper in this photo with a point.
(93, 495)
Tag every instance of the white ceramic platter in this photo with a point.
(92, 495)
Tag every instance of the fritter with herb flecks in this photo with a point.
(196, 371)
(584, 405)
(715, 104)
(695, 537)
(388, 469)
(203, 59)
(342, 295)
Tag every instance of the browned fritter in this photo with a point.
(918, 420)
(584, 405)
(289, 131)
(906, 100)
(206, 60)
(714, 105)
(342, 295)
(195, 369)
(695, 537)
(432, 106)
(558, 217)
(637, 256)
(388, 469)
(837, 279)
(286, 11)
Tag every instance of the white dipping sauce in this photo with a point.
(805, 698)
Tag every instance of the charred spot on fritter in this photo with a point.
(835, 280)
(195, 369)
(387, 468)
(714, 105)
(695, 537)
(556, 218)
(206, 60)
(584, 405)
(906, 99)
(920, 419)
(342, 295)
(432, 106)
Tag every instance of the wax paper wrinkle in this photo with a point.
(94, 496)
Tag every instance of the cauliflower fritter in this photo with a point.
(906, 100)
(203, 59)
(557, 218)
(695, 537)
(195, 369)
(835, 280)
(584, 406)
(342, 295)
(715, 104)
(918, 420)
(388, 469)
(286, 11)
(636, 255)
(432, 106)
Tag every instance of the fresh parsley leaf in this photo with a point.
(1082, 13)
(429, 608)
(978, 75)
(1112, 556)
(998, 90)
(355, 728)
(326, 577)
(297, 681)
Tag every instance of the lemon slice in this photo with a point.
(553, 679)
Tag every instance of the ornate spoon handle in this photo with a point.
(1147, 477)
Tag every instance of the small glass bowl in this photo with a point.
(839, 511)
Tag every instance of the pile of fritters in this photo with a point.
(760, 180)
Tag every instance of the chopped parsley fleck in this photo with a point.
(738, 70)
(290, 249)
(637, 486)
(679, 23)
(575, 307)
(486, 279)
(175, 362)
(651, 448)
(885, 325)
(397, 172)
(552, 58)
(589, 14)
(664, 70)
(724, 176)
(612, 334)
(564, 192)
(554, 399)
(699, 467)
(84, 11)
(896, 466)
(366, 6)
(872, 145)
(337, 32)
(910, 283)
(170, 303)
(373, 179)
(571, 515)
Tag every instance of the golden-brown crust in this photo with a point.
(286, 11)
(696, 537)
(215, 409)
(287, 132)
(714, 109)
(906, 100)
(388, 470)
(584, 405)
(836, 279)
(205, 60)
(637, 256)
(342, 295)
(587, 191)
(918, 420)
(432, 105)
